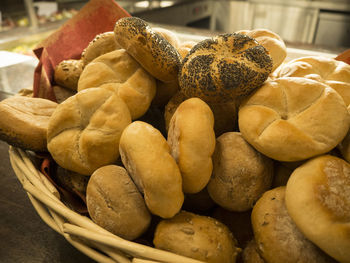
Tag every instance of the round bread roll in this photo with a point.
(277, 236)
(24, 122)
(84, 131)
(240, 175)
(185, 47)
(334, 73)
(146, 156)
(251, 253)
(292, 119)
(115, 204)
(168, 35)
(318, 201)
(192, 141)
(272, 42)
(225, 114)
(67, 73)
(151, 50)
(103, 43)
(119, 72)
(224, 68)
(198, 237)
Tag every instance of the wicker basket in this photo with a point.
(78, 230)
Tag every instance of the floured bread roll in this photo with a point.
(272, 42)
(115, 204)
(240, 175)
(251, 253)
(146, 155)
(224, 68)
(199, 237)
(334, 73)
(84, 131)
(277, 236)
(151, 50)
(119, 72)
(67, 73)
(24, 122)
(291, 119)
(192, 141)
(318, 201)
(103, 43)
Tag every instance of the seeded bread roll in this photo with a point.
(24, 122)
(192, 141)
(67, 73)
(119, 72)
(151, 50)
(224, 68)
(277, 236)
(318, 201)
(293, 119)
(84, 131)
(334, 73)
(115, 204)
(272, 42)
(103, 43)
(146, 156)
(199, 237)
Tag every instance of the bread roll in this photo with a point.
(192, 141)
(272, 42)
(119, 72)
(151, 50)
(115, 204)
(199, 237)
(103, 43)
(24, 122)
(334, 73)
(185, 47)
(318, 201)
(240, 175)
(67, 73)
(224, 68)
(84, 131)
(277, 236)
(292, 119)
(146, 155)
(168, 35)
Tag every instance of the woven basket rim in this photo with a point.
(80, 231)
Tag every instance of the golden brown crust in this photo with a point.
(192, 141)
(240, 175)
(84, 131)
(318, 201)
(146, 156)
(277, 237)
(103, 43)
(67, 73)
(24, 122)
(224, 68)
(115, 204)
(292, 119)
(150, 49)
(198, 237)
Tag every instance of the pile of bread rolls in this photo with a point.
(219, 150)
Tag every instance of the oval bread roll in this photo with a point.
(318, 201)
(115, 204)
(151, 50)
(334, 73)
(119, 72)
(198, 237)
(84, 131)
(67, 73)
(24, 122)
(292, 119)
(277, 236)
(192, 141)
(240, 175)
(146, 156)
